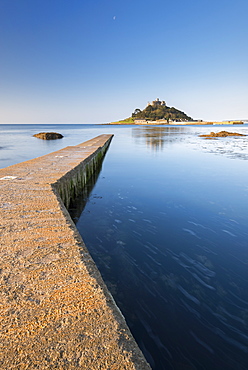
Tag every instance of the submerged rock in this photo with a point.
(221, 134)
(48, 135)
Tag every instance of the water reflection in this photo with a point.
(78, 204)
(172, 247)
(156, 136)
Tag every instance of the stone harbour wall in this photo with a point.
(55, 310)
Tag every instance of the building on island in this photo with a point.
(156, 103)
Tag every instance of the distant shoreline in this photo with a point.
(157, 123)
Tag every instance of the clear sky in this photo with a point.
(88, 61)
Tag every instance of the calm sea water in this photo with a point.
(166, 223)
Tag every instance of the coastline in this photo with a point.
(201, 123)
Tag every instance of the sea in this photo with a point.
(166, 221)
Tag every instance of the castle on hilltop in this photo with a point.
(157, 103)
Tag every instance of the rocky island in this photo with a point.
(48, 135)
(213, 135)
(158, 113)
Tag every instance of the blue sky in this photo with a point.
(83, 61)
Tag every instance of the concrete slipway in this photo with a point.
(55, 310)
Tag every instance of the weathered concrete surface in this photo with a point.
(55, 310)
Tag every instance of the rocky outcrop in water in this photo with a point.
(221, 134)
(48, 135)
